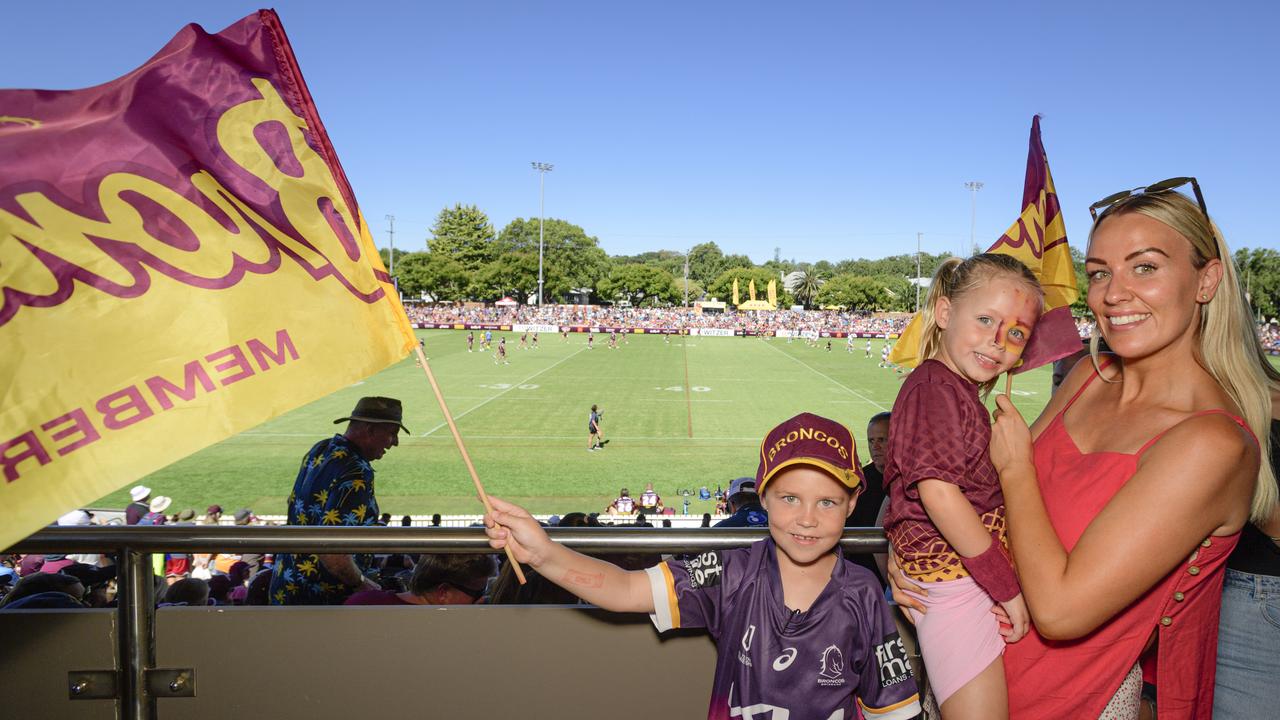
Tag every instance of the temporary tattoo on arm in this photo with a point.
(591, 580)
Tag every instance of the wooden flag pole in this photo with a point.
(466, 457)
(1008, 385)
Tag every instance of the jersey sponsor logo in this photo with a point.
(783, 661)
(891, 657)
(831, 671)
(704, 570)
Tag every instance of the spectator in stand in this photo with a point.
(385, 520)
(335, 487)
(744, 505)
(435, 520)
(406, 521)
(83, 518)
(213, 515)
(706, 520)
(243, 518)
(45, 591)
(1062, 366)
(575, 519)
(869, 512)
(202, 563)
(218, 589)
(8, 577)
(258, 592)
(141, 495)
(156, 508)
(188, 591)
(446, 579)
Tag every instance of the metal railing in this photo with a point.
(139, 682)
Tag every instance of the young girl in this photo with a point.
(946, 514)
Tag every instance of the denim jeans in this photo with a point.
(1248, 648)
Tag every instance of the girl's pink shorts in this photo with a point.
(959, 637)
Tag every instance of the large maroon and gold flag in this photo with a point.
(181, 258)
(1039, 239)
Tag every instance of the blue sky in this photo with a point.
(829, 130)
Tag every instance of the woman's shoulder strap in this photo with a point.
(1103, 364)
(1214, 411)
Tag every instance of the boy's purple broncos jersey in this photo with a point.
(776, 664)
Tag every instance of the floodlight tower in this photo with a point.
(919, 237)
(974, 186)
(686, 277)
(391, 232)
(543, 169)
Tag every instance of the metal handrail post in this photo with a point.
(136, 650)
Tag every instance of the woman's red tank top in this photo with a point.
(1076, 678)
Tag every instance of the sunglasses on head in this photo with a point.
(1163, 186)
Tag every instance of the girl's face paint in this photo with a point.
(986, 331)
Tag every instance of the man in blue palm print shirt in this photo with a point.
(335, 487)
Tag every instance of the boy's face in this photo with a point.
(807, 509)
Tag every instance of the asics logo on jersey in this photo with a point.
(747, 637)
(783, 661)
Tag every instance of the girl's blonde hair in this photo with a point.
(957, 277)
(1228, 344)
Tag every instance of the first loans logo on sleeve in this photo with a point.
(891, 656)
(704, 570)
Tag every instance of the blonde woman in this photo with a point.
(1126, 496)
(1143, 471)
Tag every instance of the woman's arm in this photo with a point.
(596, 581)
(1195, 480)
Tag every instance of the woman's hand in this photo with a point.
(899, 583)
(1016, 621)
(510, 525)
(1010, 438)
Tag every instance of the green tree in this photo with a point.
(385, 254)
(706, 261)
(1259, 270)
(640, 284)
(736, 261)
(806, 287)
(1080, 308)
(514, 274)
(860, 292)
(464, 233)
(439, 276)
(571, 259)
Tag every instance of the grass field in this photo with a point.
(679, 415)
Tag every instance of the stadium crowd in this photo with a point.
(755, 322)
(46, 581)
(663, 318)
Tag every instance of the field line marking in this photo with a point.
(828, 377)
(688, 402)
(464, 413)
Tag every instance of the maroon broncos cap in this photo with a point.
(812, 440)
